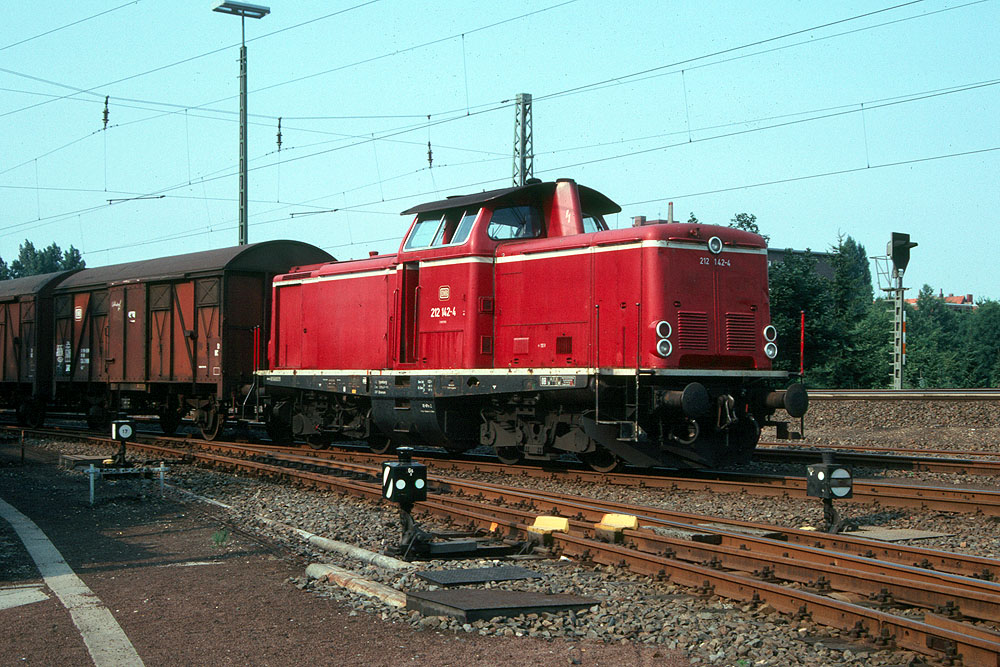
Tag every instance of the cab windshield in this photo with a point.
(437, 229)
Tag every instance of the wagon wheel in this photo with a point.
(170, 419)
(98, 418)
(508, 455)
(31, 413)
(318, 440)
(380, 444)
(602, 460)
(212, 426)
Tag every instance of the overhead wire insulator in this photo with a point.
(106, 98)
(430, 153)
(279, 134)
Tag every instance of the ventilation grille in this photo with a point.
(740, 332)
(692, 331)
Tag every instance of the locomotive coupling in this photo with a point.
(693, 400)
(794, 400)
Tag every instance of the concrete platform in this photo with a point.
(473, 605)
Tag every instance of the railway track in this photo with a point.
(869, 589)
(900, 459)
(904, 395)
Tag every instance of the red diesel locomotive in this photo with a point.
(517, 319)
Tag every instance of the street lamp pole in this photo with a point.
(243, 10)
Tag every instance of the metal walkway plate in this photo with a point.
(893, 534)
(469, 605)
(477, 575)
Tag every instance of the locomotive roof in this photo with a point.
(593, 202)
(16, 287)
(267, 256)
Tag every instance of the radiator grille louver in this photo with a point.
(740, 332)
(692, 330)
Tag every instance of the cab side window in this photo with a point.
(515, 222)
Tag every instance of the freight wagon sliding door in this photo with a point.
(24, 343)
(9, 316)
(80, 323)
(126, 334)
(171, 332)
(208, 355)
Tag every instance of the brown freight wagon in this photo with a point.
(26, 344)
(170, 335)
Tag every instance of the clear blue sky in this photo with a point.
(720, 107)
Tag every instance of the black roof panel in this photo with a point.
(267, 256)
(16, 287)
(593, 202)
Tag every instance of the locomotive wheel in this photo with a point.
(601, 460)
(318, 440)
(280, 432)
(213, 423)
(380, 444)
(508, 455)
(744, 436)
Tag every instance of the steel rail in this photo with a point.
(969, 501)
(917, 585)
(962, 564)
(904, 395)
(906, 462)
(920, 451)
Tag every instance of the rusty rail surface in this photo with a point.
(904, 394)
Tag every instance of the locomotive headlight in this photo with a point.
(770, 333)
(663, 329)
(771, 350)
(664, 348)
(715, 245)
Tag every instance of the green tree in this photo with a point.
(691, 219)
(32, 262)
(796, 287)
(983, 343)
(934, 353)
(860, 359)
(748, 223)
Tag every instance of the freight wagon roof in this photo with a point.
(592, 201)
(10, 289)
(267, 256)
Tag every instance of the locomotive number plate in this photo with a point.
(714, 261)
(446, 311)
(557, 381)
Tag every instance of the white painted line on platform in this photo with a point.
(106, 641)
(15, 596)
